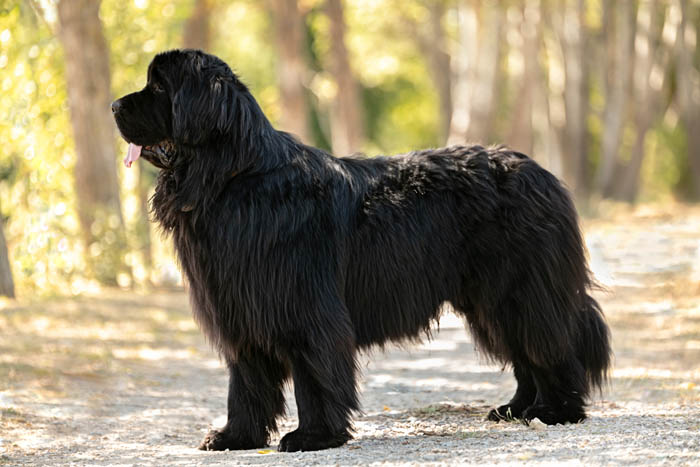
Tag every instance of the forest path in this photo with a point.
(126, 379)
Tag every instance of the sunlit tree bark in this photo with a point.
(7, 285)
(575, 45)
(288, 23)
(618, 40)
(521, 136)
(475, 68)
(346, 110)
(197, 33)
(655, 38)
(432, 41)
(688, 95)
(96, 185)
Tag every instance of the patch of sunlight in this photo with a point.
(83, 286)
(5, 399)
(40, 324)
(212, 363)
(151, 354)
(62, 329)
(442, 383)
(157, 314)
(380, 379)
(466, 365)
(440, 345)
(449, 320)
(663, 306)
(185, 325)
(638, 372)
(426, 364)
(484, 385)
(695, 268)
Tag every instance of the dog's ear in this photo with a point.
(202, 107)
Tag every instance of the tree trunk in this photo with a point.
(688, 96)
(520, 136)
(7, 286)
(573, 38)
(650, 69)
(197, 33)
(546, 144)
(291, 66)
(619, 31)
(486, 73)
(89, 98)
(433, 45)
(476, 61)
(462, 64)
(346, 111)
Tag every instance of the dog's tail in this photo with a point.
(593, 346)
(564, 274)
(550, 316)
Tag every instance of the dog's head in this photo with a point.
(187, 101)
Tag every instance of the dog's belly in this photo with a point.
(403, 268)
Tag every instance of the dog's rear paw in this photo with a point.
(553, 415)
(220, 440)
(505, 412)
(301, 440)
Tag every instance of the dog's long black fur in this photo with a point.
(296, 260)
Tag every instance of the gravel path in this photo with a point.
(126, 379)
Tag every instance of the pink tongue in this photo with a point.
(132, 155)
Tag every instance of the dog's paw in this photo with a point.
(221, 440)
(301, 440)
(506, 413)
(553, 415)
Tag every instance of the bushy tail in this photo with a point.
(594, 350)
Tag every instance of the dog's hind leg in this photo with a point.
(523, 398)
(561, 392)
(325, 392)
(490, 340)
(255, 400)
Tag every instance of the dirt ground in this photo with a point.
(126, 379)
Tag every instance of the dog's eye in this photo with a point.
(157, 87)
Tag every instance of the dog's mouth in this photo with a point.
(160, 154)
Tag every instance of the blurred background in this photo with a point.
(99, 355)
(604, 93)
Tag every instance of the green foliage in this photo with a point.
(400, 105)
(38, 196)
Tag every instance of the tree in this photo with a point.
(288, 23)
(618, 37)
(574, 41)
(96, 185)
(655, 37)
(7, 286)
(476, 71)
(688, 95)
(432, 41)
(197, 33)
(346, 112)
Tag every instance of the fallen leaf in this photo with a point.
(537, 424)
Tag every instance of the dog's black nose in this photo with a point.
(116, 105)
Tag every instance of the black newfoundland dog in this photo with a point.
(296, 260)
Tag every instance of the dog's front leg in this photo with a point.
(255, 400)
(325, 392)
